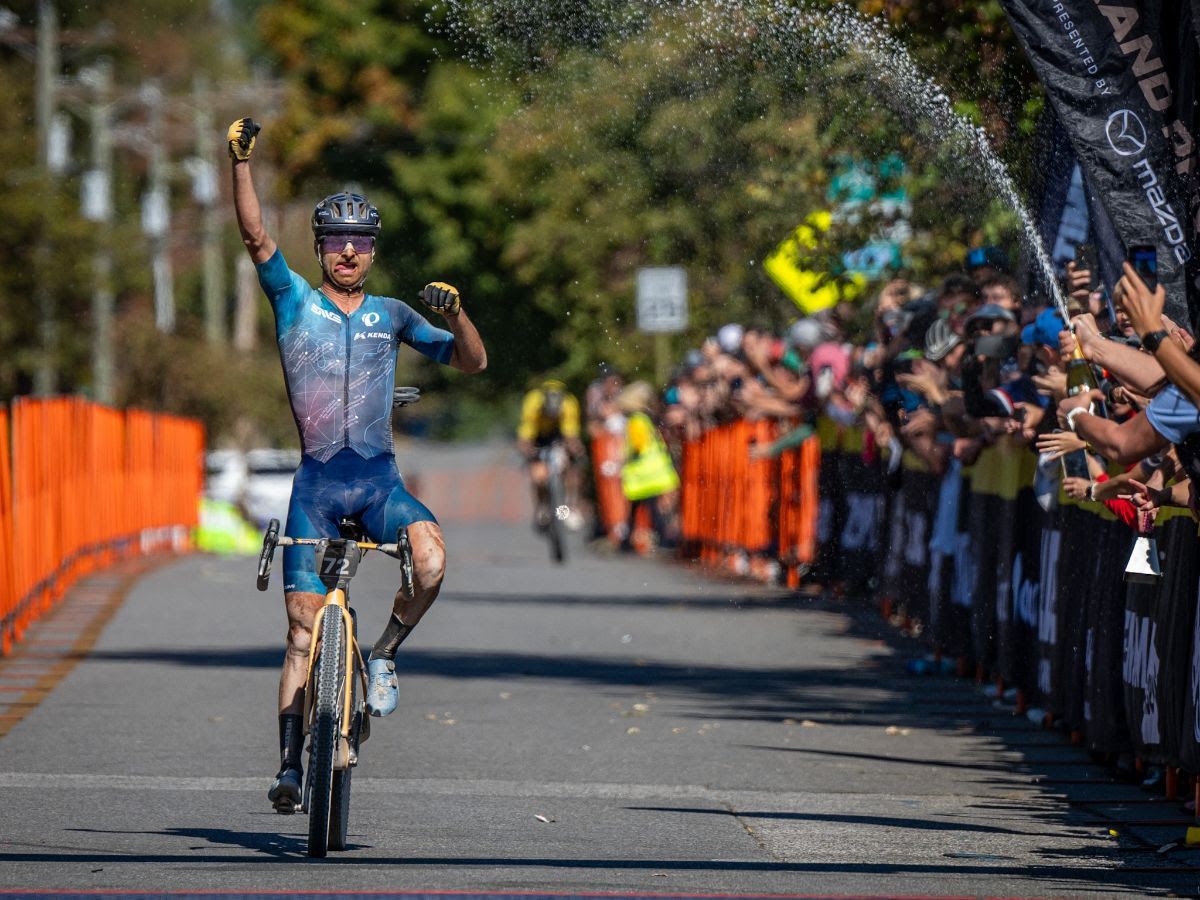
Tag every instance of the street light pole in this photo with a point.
(45, 377)
(205, 192)
(98, 207)
(156, 212)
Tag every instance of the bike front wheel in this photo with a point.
(339, 805)
(557, 531)
(328, 683)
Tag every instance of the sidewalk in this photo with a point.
(57, 642)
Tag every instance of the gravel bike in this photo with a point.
(554, 456)
(335, 715)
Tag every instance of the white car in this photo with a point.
(225, 475)
(269, 474)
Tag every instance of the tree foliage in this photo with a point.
(538, 184)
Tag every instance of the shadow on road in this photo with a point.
(1074, 794)
(878, 821)
(266, 842)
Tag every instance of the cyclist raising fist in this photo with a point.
(338, 348)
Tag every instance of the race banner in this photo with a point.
(920, 492)
(1017, 609)
(862, 525)
(1105, 727)
(1189, 751)
(1049, 674)
(831, 507)
(1076, 567)
(1158, 632)
(949, 628)
(1105, 72)
(1058, 196)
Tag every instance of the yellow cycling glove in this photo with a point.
(241, 136)
(441, 298)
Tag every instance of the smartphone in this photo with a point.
(1086, 258)
(1075, 465)
(1144, 259)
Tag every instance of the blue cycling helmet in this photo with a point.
(345, 213)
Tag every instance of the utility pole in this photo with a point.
(98, 207)
(45, 379)
(245, 317)
(204, 190)
(156, 211)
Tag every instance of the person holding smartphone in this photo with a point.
(1171, 345)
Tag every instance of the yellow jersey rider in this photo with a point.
(549, 414)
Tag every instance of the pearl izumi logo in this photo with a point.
(1126, 133)
(370, 319)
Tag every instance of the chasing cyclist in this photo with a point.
(338, 348)
(549, 414)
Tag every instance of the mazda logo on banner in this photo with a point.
(1126, 133)
(1122, 96)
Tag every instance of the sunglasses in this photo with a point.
(335, 243)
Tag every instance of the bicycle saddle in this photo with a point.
(351, 529)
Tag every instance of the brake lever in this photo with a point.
(270, 542)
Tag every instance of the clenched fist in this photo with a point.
(441, 298)
(241, 136)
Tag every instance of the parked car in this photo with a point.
(269, 474)
(225, 475)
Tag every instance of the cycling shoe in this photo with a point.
(382, 688)
(285, 790)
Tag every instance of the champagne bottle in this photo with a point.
(1081, 378)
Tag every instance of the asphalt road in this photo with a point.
(613, 725)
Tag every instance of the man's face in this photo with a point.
(1001, 296)
(955, 308)
(346, 258)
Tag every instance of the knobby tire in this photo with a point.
(339, 806)
(326, 728)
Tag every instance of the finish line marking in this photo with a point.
(471, 895)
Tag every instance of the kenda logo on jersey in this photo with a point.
(325, 314)
(367, 335)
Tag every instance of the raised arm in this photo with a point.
(1134, 368)
(1145, 309)
(469, 354)
(240, 139)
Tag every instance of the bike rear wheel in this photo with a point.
(328, 681)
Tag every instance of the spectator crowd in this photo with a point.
(1008, 462)
(945, 372)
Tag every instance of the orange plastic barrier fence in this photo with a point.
(745, 513)
(608, 454)
(82, 486)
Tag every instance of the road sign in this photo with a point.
(662, 299)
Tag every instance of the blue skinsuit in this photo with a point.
(339, 372)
